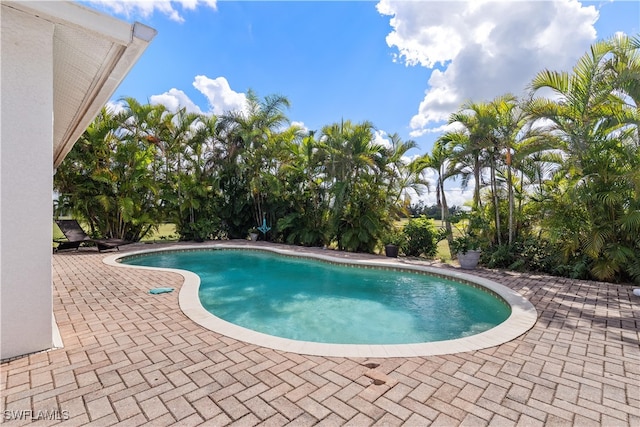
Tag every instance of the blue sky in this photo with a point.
(404, 66)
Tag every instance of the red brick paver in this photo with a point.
(131, 358)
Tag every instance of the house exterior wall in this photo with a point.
(26, 181)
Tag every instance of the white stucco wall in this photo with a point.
(26, 179)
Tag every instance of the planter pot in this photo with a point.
(391, 251)
(469, 261)
(253, 236)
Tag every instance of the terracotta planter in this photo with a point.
(469, 260)
(391, 251)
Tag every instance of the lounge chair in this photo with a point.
(76, 236)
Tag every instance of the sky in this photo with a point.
(402, 65)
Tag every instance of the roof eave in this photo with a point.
(105, 86)
(122, 44)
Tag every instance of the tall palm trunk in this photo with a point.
(445, 217)
(496, 201)
(511, 200)
(520, 204)
(477, 203)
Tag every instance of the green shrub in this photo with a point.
(503, 256)
(422, 237)
(200, 230)
(394, 236)
(535, 255)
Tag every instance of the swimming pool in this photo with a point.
(388, 309)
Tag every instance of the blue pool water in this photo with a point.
(310, 300)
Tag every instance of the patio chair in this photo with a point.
(76, 236)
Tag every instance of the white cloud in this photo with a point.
(479, 50)
(456, 196)
(220, 95)
(379, 138)
(115, 107)
(175, 99)
(445, 127)
(221, 98)
(300, 125)
(146, 8)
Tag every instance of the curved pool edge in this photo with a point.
(522, 318)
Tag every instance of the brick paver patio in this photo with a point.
(130, 358)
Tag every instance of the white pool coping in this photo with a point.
(523, 313)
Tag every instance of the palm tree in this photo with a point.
(195, 192)
(516, 141)
(106, 180)
(476, 147)
(439, 161)
(305, 194)
(352, 161)
(401, 173)
(477, 122)
(595, 115)
(249, 134)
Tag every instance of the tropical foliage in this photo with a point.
(217, 177)
(108, 179)
(555, 176)
(421, 235)
(592, 200)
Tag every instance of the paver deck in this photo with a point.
(131, 358)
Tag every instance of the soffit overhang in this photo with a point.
(92, 54)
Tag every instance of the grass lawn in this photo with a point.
(165, 233)
(443, 251)
(57, 234)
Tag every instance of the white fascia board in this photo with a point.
(75, 15)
